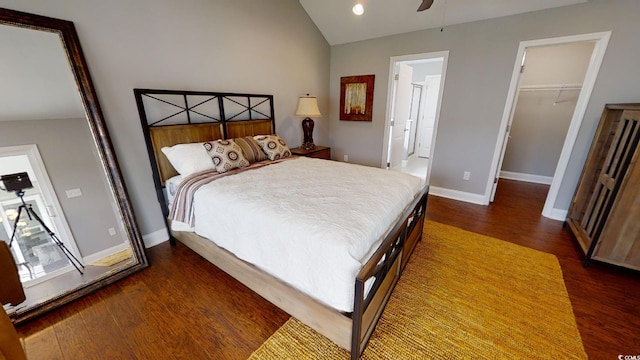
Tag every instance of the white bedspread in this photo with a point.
(312, 223)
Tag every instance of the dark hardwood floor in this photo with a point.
(182, 307)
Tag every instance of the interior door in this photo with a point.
(400, 115)
(496, 176)
(414, 114)
(432, 84)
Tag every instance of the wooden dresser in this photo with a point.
(321, 152)
(604, 214)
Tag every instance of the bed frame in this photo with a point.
(171, 117)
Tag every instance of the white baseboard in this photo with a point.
(538, 179)
(457, 195)
(557, 214)
(155, 238)
(90, 259)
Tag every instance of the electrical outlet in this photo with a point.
(466, 175)
(112, 231)
(346, 158)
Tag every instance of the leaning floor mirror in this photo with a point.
(64, 209)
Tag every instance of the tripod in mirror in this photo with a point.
(19, 183)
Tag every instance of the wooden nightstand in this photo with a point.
(321, 152)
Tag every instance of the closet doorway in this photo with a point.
(550, 89)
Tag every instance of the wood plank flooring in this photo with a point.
(182, 307)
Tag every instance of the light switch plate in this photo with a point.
(71, 193)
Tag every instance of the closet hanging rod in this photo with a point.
(551, 87)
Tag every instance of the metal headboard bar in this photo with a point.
(188, 109)
(250, 108)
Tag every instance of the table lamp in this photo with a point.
(308, 106)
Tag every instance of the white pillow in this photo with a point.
(188, 158)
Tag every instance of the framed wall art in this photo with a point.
(356, 97)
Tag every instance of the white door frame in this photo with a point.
(51, 200)
(392, 65)
(601, 41)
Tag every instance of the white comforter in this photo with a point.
(309, 222)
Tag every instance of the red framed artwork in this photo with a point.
(356, 97)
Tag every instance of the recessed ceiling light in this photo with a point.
(358, 9)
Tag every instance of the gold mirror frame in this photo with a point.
(69, 38)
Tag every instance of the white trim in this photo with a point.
(601, 41)
(558, 214)
(538, 179)
(90, 259)
(457, 195)
(390, 94)
(155, 238)
(48, 276)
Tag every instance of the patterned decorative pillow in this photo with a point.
(226, 155)
(273, 146)
(251, 149)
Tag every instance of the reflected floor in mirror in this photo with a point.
(67, 281)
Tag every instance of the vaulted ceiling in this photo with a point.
(340, 25)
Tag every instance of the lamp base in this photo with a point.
(308, 146)
(307, 130)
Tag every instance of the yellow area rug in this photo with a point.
(462, 296)
(114, 258)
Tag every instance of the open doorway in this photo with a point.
(550, 89)
(416, 83)
(38, 256)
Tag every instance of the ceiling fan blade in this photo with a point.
(425, 5)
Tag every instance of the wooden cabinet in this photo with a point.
(321, 152)
(604, 214)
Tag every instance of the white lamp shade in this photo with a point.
(308, 106)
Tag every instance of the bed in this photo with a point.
(342, 262)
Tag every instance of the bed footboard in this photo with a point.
(384, 269)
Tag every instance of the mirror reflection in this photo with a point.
(58, 211)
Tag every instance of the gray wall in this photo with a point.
(538, 132)
(70, 158)
(237, 46)
(481, 59)
(542, 117)
(557, 64)
(421, 70)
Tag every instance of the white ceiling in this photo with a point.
(339, 25)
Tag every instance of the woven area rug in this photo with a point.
(462, 295)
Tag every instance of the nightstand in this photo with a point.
(321, 152)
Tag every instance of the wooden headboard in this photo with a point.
(171, 117)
